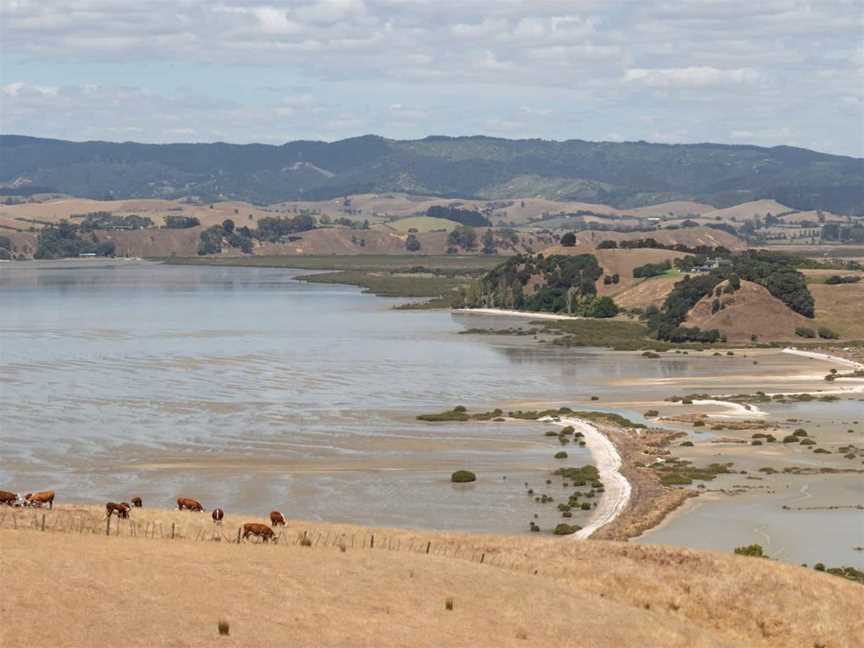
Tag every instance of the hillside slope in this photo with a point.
(626, 174)
(145, 591)
(750, 310)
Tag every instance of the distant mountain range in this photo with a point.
(624, 175)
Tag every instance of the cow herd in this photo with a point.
(123, 509)
(30, 499)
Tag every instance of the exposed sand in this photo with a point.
(514, 313)
(616, 496)
(824, 356)
(735, 410)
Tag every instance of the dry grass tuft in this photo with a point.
(224, 627)
(448, 603)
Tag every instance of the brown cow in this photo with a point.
(136, 502)
(7, 498)
(218, 514)
(189, 504)
(121, 510)
(260, 531)
(39, 499)
(277, 519)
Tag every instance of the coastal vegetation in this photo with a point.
(463, 477)
(439, 279)
(65, 240)
(553, 284)
(681, 472)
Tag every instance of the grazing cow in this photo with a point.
(40, 499)
(121, 510)
(189, 504)
(7, 498)
(260, 530)
(277, 519)
(218, 514)
(136, 502)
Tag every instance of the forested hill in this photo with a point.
(624, 175)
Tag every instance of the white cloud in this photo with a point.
(691, 77)
(592, 62)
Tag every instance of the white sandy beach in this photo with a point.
(824, 356)
(616, 495)
(514, 313)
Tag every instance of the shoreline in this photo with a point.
(824, 356)
(617, 493)
(514, 313)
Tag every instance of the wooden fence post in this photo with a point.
(428, 546)
(108, 526)
(238, 536)
(172, 530)
(372, 543)
(482, 558)
(43, 521)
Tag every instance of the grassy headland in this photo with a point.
(337, 590)
(437, 279)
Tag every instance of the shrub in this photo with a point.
(224, 627)
(585, 506)
(463, 477)
(800, 432)
(568, 430)
(448, 603)
(805, 332)
(827, 334)
(566, 529)
(568, 240)
(699, 423)
(561, 455)
(790, 438)
(687, 444)
(754, 550)
(650, 354)
(651, 414)
(756, 442)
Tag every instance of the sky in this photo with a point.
(765, 72)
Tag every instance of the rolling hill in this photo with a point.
(624, 175)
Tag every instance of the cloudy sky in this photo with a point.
(764, 72)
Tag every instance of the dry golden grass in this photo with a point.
(840, 307)
(72, 589)
(751, 310)
(675, 207)
(740, 213)
(649, 292)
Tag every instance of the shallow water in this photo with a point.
(250, 390)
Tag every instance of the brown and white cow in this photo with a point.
(120, 510)
(40, 499)
(7, 498)
(189, 504)
(136, 502)
(218, 514)
(277, 519)
(259, 530)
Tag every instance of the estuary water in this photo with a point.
(251, 390)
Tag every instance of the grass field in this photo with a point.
(68, 588)
(435, 278)
(455, 263)
(423, 224)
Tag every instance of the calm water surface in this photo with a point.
(251, 390)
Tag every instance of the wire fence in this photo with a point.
(90, 523)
